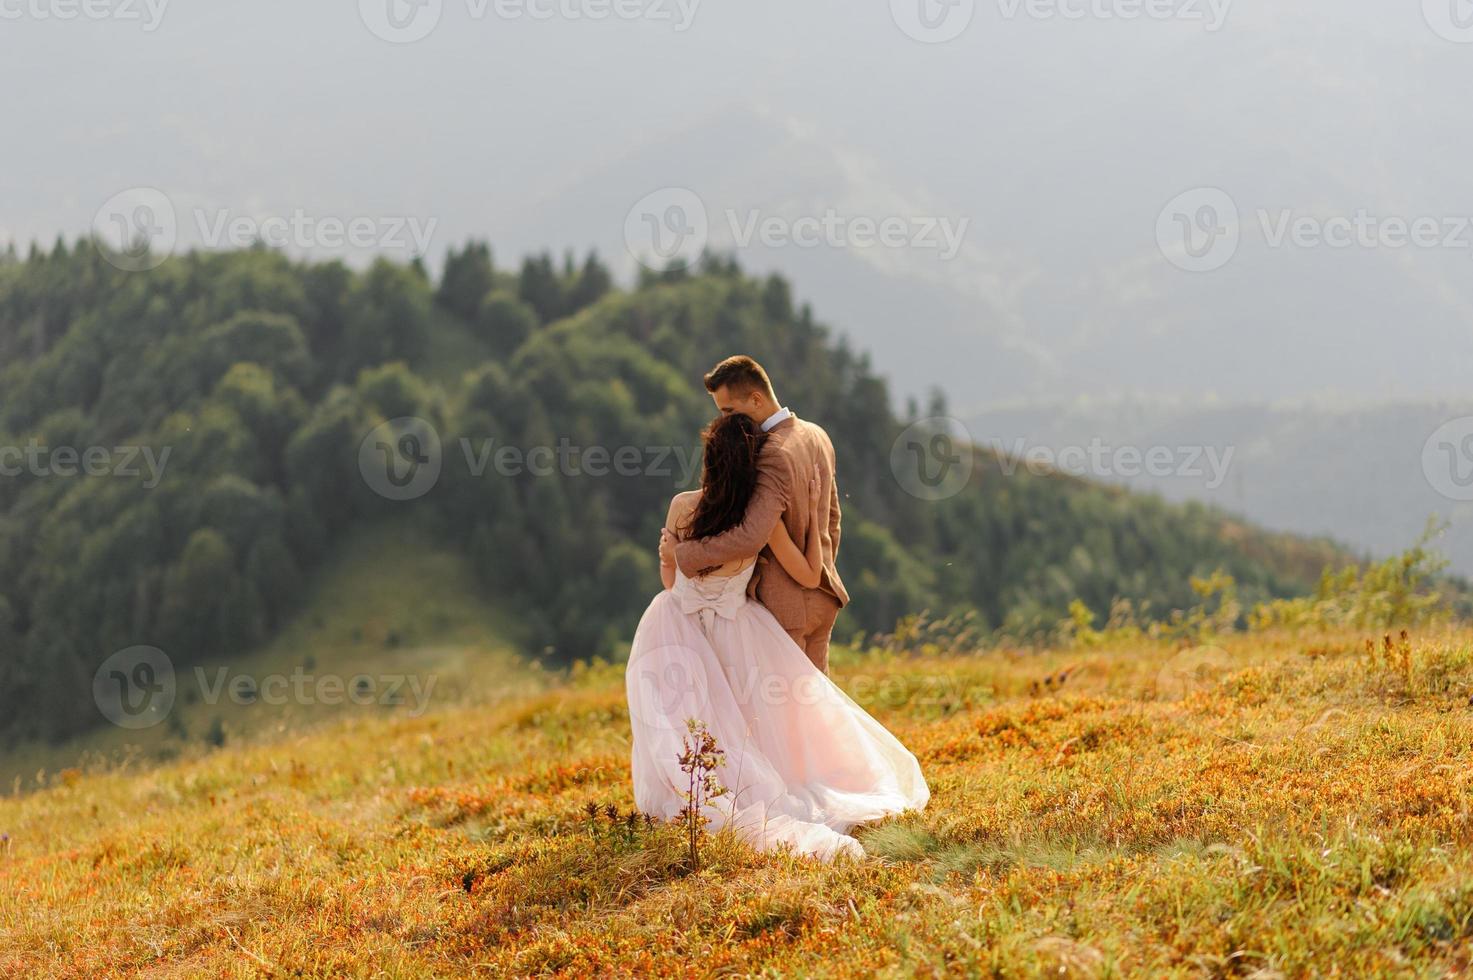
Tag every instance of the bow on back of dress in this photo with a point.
(712, 595)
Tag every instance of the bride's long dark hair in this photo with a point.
(729, 448)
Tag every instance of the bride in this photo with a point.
(804, 763)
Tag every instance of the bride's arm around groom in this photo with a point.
(793, 450)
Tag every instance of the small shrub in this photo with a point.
(699, 760)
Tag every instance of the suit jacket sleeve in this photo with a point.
(764, 510)
(834, 512)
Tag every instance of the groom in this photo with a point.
(792, 450)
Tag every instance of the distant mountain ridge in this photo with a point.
(1356, 474)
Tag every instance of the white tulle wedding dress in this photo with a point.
(804, 763)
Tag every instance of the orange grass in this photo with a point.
(1281, 805)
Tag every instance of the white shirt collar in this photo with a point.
(781, 415)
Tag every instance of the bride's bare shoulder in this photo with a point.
(681, 505)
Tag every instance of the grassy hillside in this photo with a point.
(1279, 804)
(385, 606)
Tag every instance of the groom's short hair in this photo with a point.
(740, 375)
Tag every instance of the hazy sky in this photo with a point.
(1041, 174)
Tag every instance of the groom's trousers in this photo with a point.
(820, 612)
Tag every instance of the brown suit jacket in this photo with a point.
(788, 457)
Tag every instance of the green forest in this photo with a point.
(251, 381)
